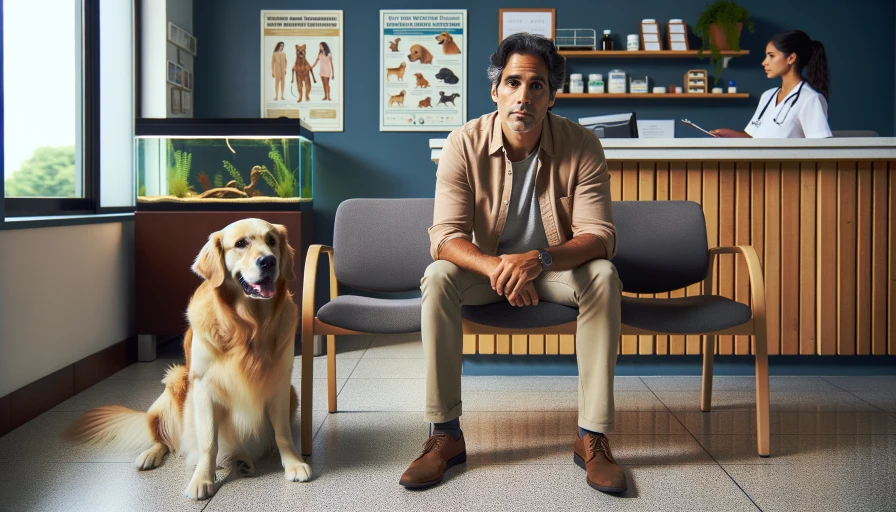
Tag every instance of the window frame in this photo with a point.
(89, 204)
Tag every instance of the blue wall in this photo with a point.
(363, 162)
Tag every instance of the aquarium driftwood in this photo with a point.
(232, 188)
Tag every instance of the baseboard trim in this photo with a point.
(666, 365)
(29, 402)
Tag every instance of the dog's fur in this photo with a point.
(421, 54)
(421, 82)
(393, 45)
(397, 98)
(449, 47)
(300, 71)
(425, 102)
(443, 98)
(447, 76)
(397, 71)
(233, 400)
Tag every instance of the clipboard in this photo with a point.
(685, 121)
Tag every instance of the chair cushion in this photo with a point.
(503, 315)
(368, 314)
(684, 315)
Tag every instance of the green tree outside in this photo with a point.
(50, 172)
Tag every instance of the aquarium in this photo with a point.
(209, 163)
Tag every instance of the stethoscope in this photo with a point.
(795, 97)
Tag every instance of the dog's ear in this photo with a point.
(287, 254)
(209, 265)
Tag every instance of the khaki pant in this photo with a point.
(594, 287)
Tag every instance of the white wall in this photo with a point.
(157, 51)
(65, 293)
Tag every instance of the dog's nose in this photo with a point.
(266, 262)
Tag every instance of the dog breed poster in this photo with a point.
(423, 70)
(301, 67)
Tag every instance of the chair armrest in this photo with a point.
(754, 269)
(310, 281)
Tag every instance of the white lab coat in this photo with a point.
(800, 116)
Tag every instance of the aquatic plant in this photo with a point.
(219, 180)
(203, 180)
(179, 173)
(283, 179)
(236, 174)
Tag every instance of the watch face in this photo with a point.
(546, 258)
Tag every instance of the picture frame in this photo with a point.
(181, 38)
(541, 21)
(175, 100)
(186, 102)
(181, 58)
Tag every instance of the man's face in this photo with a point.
(523, 94)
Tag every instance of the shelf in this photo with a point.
(666, 95)
(644, 54)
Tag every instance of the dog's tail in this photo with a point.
(124, 429)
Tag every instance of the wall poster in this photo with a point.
(423, 70)
(301, 67)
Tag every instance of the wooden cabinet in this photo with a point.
(167, 243)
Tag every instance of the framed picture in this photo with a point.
(181, 57)
(186, 102)
(175, 101)
(533, 21)
(181, 38)
(172, 72)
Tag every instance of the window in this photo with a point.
(50, 106)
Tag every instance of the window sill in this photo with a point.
(51, 221)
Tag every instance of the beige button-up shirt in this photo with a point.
(475, 178)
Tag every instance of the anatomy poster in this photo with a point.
(423, 70)
(301, 67)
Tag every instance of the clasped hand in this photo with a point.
(513, 275)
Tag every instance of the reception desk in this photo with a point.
(820, 213)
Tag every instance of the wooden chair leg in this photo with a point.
(762, 394)
(709, 345)
(307, 385)
(331, 372)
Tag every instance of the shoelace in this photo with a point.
(601, 443)
(435, 442)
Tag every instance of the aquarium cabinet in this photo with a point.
(195, 176)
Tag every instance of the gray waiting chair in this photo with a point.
(382, 245)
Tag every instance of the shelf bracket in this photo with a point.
(725, 61)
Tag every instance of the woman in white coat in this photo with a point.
(799, 108)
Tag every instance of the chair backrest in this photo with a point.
(382, 245)
(661, 245)
(854, 133)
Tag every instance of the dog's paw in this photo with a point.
(151, 458)
(200, 489)
(245, 467)
(298, 472)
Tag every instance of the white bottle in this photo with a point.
(576, 84)
(595, 83)
(633, 43)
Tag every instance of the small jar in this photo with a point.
(732, 87)
(595, 83)
(576, 84)
(633, 43)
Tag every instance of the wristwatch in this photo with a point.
(545, 258)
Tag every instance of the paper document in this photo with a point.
(685, 121)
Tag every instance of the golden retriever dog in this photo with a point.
(397, 98)
(421, 82)
(300, 71)
(393, 45)
(425, 102)
(397, 71)
(449, 47)
(421, 54)
(232, 401)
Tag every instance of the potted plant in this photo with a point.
(719, 27)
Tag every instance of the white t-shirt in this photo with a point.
(805, 115)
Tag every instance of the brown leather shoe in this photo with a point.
(440, 452)
(592, 453)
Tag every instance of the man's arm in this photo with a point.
(513, 271)
(467, 256)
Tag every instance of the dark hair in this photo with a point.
(326, 50)
(810, 56)
(530, 44)
(278, 46)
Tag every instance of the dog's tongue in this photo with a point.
(266, 288)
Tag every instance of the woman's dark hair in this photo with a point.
(529, 44)
(276, 46)
(810, 56)
(326, 50)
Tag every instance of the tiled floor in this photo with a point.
(833, 442)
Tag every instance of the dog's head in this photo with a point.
(250, 255)
(418, 75)
(443, 74)
(417, 53)
(444, 37)
(402, 93)
(300, 51)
